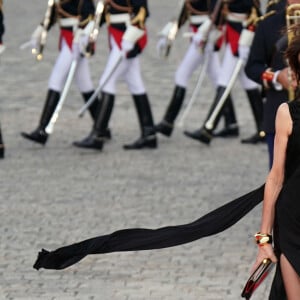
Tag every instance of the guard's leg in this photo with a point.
(97, 136)
(191, 61)
(256, 104)
(231, 128)
(204, 134)
(39, 135)
(2, 148)
(166, 126)
(56, 83)
(148, 137)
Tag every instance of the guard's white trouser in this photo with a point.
(191, 61)
(61, 69)
(128, 70)
(227, 67)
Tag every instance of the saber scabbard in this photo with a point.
(50, 126)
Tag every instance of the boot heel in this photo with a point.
(1, 151)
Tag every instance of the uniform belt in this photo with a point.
(119, 18)
(198, 19)
(236, 17)
(68, 22)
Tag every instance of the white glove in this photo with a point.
(130, 37)
(161, 45)
(126, 46)
(36, 36)
(202, 32)
(2, 48)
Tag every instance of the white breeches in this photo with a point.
(128, 70)
(227, 68)
(61, 69)
(191, 61)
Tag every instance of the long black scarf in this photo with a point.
(146, 239)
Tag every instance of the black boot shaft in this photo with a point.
(49, 107)
(204, 134)
(93, 108)
(39, 135)
(166, 126)
(256, 103)
(148, 136)
(2, 149)
(98, 135)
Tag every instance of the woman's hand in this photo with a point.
(265, 251)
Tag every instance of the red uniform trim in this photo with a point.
(118, 34)
(68, 36)
(232, 37)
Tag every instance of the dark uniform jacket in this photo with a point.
(267, 52)
(137, 10)
(1, 22)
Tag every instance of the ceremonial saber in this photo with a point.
(209, 125)
(54, 117)
(195, 93)
(92, 99)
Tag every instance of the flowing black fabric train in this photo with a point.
(146, 239)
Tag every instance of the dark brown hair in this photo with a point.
(292, 52)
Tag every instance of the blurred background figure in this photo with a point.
(239, 17)
(73, 17)
(127, 40)
(2, 48)
(203, 50)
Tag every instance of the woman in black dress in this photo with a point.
(281, 212)
(281, 206)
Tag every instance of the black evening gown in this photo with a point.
(286, 226)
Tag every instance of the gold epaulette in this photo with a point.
(272, 2)
(86, 21)
(140, 18)
(265, 16)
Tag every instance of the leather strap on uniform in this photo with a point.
(140, 18)
(127, 9)
(194, 11)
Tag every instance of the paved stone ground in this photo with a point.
(55, 195)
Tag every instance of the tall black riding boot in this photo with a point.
(93, 109)
(97, 136)
(204, 134)
(256, 104)
(231, 128)
(39, 135)
(166, 126)
(2, 148)
(148, 137)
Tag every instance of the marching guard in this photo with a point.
(127, 39)
(238, 15)
(198, 13)
(267, 66)
(73, 17)
(2, 29)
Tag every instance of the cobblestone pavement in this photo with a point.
(55, 195)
